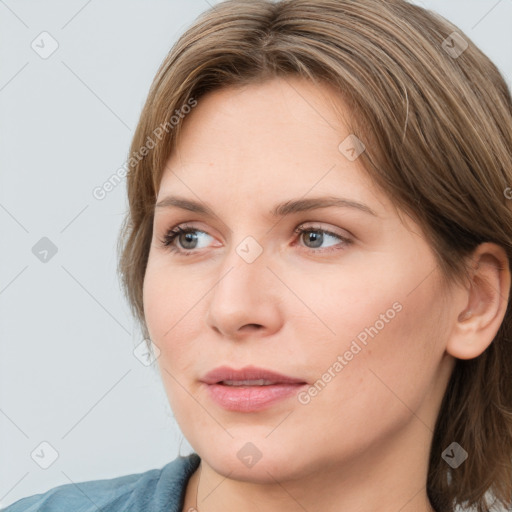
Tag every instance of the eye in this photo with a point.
(187, 235)
(316, 236)
(188, 238)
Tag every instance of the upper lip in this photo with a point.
(247, 373)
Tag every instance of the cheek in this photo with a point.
(167, 301)
(386, 348)
(168, 311)
(379, 316)
(172, 306)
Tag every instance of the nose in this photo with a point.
(246, 300)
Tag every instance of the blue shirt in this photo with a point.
(156, 490)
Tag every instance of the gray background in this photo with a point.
(68, 374)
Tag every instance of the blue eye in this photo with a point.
(186, 235)
(188, 238)
(319, 236)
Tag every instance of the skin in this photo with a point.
(362, 443)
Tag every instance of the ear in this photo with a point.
(485, 303)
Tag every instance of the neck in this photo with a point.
(369, 481)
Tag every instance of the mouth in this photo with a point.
(249, 389)
(248, 376)
(245, 383)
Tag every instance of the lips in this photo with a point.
(249, 376)
(249, 389)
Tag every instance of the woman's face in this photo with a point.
(352, 307)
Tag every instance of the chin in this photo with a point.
(258, 461)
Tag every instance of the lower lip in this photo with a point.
(251, 398)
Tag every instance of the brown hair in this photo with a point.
(437, 127)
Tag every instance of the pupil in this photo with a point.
(191, 238)
(316, 237)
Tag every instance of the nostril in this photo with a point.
(252, 326)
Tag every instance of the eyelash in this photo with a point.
(168, 240)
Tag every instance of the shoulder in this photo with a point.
(156, 490)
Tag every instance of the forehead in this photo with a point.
(270, 140)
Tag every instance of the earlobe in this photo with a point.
(486, 299)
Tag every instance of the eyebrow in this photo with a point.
(282, 209)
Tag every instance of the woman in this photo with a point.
(318, 246)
